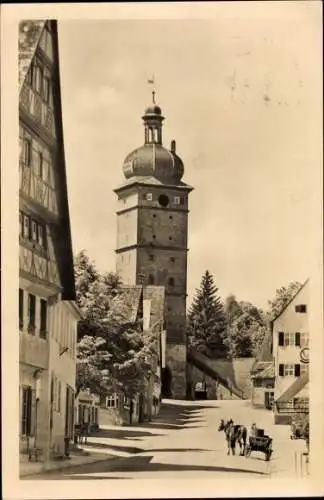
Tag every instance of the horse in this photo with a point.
(234, 434)
(230, 436)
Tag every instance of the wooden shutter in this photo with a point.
(21, 308)
(297, 370)
(27, 410)
(297, 338)
(281, 338)
(281, 370)
(33, 415)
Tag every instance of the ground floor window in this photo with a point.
(112, 401)
(28, 399)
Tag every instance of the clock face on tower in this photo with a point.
(163, 200)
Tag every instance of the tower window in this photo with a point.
(301, 308)
(154, 236)
(170, 238)
(177, 200)
(151, 279)
(171, 281)
(148, 196)
(172, 259)
(170, 217)
(154, 216)
(163, 200)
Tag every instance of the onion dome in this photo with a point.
(153, 159)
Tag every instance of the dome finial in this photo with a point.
(153, 96)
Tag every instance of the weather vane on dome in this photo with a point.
(151, 81)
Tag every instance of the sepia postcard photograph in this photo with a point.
(162, 237)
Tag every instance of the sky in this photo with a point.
(241, 94)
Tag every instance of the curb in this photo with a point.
(66, 465)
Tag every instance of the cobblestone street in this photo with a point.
(182, 441)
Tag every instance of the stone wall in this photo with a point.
(215, 390)
(176, 360)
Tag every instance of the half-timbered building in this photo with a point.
(47, 314)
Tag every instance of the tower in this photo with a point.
(152, 231)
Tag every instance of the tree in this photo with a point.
(282, 297)
(206, 320)
(92, 359)
(113, 354)
(246, 327)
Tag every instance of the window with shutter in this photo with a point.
(33, 415)
(59, 390)
(26, 226)
(34, 230)
(297, 370)
(52, 401)
(31, 312)
(43, 319)
(26, 411)
(297, 338)
(21, 224)
(21, 309)
(281, 338)
(281, 370)
(27, 152)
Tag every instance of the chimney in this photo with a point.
(173, 146)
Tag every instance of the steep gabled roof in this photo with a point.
(29, 36)
(264, 370)
(133, 296)
(265, 352)
(289, 302)
(30, 32)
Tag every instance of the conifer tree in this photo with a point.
(207, 321)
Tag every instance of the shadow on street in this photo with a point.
(140, 464)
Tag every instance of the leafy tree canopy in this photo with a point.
(113, 353)
(282, 297)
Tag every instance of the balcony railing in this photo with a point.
(36, 188)
(289, 407)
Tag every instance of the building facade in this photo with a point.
(263, 381)
(47, 315)
(152, 233)
(290, 332)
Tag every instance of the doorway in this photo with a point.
(201, 391)
(268, 399)
(166, 383)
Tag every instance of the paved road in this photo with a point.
(183, 441)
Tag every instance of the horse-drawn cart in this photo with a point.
(259, 443)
